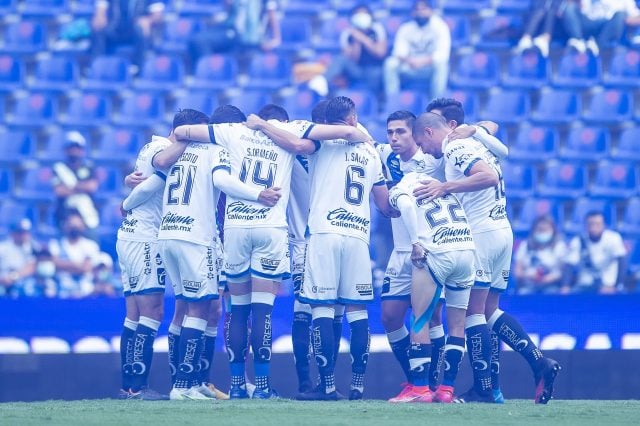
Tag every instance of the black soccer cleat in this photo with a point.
(545, 377)
(317, 395)
(472, 396)
(355, 395)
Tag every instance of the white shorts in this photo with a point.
(260, 252)
(192, 269)
(453, 271)
(337, 270)
(493, 258)
(141, 267)
(397, 277)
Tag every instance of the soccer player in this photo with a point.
(474, 173)
(186, 243)
(442, 256)
(143, 272)
(256, 237)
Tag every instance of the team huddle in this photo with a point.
(304, 187)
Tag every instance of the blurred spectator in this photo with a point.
(75, 256)
(593, 24)
(539, 261)
(542, 12)
(103, 280)
(74, 182)
(596, 260)
(17, 262)
(218, 36)
(632, 19)
(420, 52)
(257, 23)
(44, 282)
(364, 47)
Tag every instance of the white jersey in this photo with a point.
(142, 222)
(396, 168)
(486, 209)
(189, 200)
(298, 209)
(442, 224)
(257, 161)
(342, 175)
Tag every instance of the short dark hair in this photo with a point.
(593, 213)
(273, 112)
(451, 109)
(189, 116)
(359, 6)
(227, 114)
(319, 112)
(407, 116)
(339, 108)
(428, 120)
(427, 3)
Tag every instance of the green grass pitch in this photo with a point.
(286, 412)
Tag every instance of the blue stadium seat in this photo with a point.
(615, 180)
(269, 71)
(249, 102)
(557, 106)
(83, 8)
(507, 106)
(110, 182)
(391, 24)
(478, 70)
(7, 182)
(34, 110)
(10, 209)
(624, 70)
(17, 146)
(526, 71)
(200, 100)
(408, 100)
(586, 144)
(460, 29)
(56, 74)
(575, 224)
(202, 8)
(118, 145)
(531, 209)
(300, 104)
(563, 180)
(35, 185)
(634, 257)
(295, 34)
(512, 6)
(630, 223)
(161, 73)
(366, 103)
(215, 72)
(7, 7)
(627, 148)
(43, 8)
(53, 149)
(520, 180)
(328, 37)
(534, 143)
(108, 73)
(87, 110)
(140, 110)
(465, 6)
(11, 73)
(110, 220)
(305, 8)
(577, 70)
(610, 107)
(24, 38)
(499, 31)
(177, 34)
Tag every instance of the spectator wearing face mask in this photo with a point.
(104, 284)
(75, 256)
(364, 47)
(539, 259)
(420, 53)
(597, 259)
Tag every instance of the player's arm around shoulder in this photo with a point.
(281, 136)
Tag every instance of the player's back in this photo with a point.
(342, 175)
(189, 198)
(442, 224)
(142, 223)
(486, 208)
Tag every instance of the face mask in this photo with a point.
(421, 20)
(543, 237)
(595, 238)
(46, 269)
(74, 233)
(362, 20)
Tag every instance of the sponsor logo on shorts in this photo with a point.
(505, 274)
(241, 211)
(318, 289)
(498, 213)
(269, 264)
(342, 218)
(450, 235)
(158, 260)
(364, 289)
(128, 226)
(212, 269)
(191, 286)
(162, 277)
(392, 272)
(232, 266)
(176, 222)
(147, 259)
(133, 282)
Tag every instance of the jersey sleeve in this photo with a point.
(219, 134)
(461, 156)
(378, 175)
(617, 245)
(300, 128)
(220, 160)
(400, 189)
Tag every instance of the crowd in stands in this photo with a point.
(84, 83)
